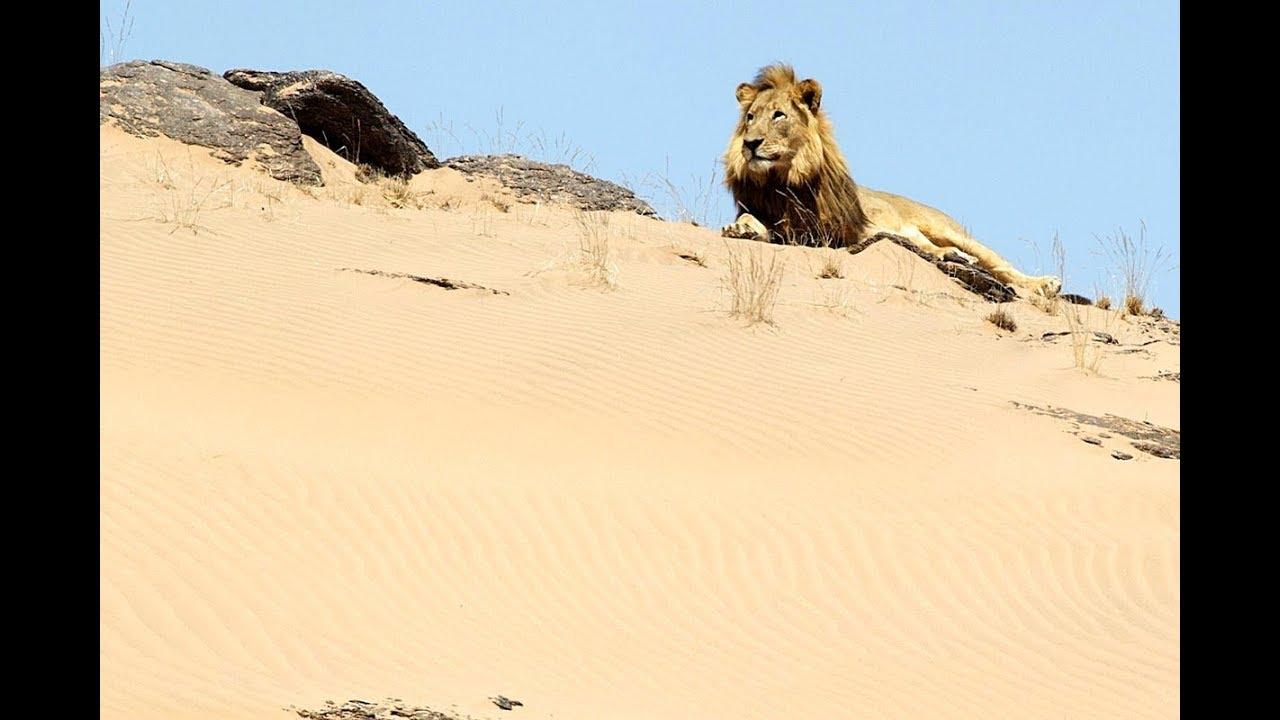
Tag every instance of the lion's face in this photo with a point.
(776, 125)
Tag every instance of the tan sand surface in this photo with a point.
(321, 484)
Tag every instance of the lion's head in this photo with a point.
(779, 131)
(783, 165)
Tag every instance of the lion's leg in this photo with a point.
(746, 227)
(919, 239)
(990, 261)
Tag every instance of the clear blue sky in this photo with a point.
(1018, 118)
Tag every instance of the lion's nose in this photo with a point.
(752, 144)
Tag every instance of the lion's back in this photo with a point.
(888, 210)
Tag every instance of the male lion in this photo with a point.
(791, 182)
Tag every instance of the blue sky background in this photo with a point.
(1018, 118)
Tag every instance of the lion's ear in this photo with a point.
(811, 93)
(745, 93)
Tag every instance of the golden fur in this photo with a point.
(791, 183)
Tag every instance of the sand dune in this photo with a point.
(319, 484)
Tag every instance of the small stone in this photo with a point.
(1121, 455)
(1091, 440)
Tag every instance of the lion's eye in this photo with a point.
(778, 115)
(750, 117)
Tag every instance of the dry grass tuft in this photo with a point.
(1003, 320)
(1103, 302)
(753, 281)
(497, 202)
(595, 248)
(832, 266)
(1085, 354)
(397, 193)
(1047, 305)
(1134, 265)
(837, 299)
(182, 196)
(182, 206)
(691, 204)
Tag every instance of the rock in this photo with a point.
(343, 115)
(1161, 451)
(505, 703)
(364, 710)
(445, 283)
(1148, 437)
(1091, 440)
(536, 181)
(1121, 455)
(1102, 337)
(1075, 299)
(973, 278)
(193, 105)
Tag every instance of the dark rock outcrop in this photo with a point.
(366, 710)
(191, 104)
(1162, 442)
(343, 115)
(971, 277)
(536, 181)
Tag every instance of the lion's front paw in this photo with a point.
(746, 227)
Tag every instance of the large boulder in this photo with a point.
(343, 115)
(538, 181)
(191, 104)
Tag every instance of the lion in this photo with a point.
(792, 183)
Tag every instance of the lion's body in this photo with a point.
(790, 182)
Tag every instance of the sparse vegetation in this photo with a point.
(181, 197)
(182, 206)
(1047, 305)
(753, 280)
(535, 145)
(835, 298)
(691, 204)
(595, 248)
(1134, 264)
(1002, 319)
(482, 222)
(1084, 352)
(111, 44)
(497, 202)
(832, 264)
(1103, 302)
(398, 194)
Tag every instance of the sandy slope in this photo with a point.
(320, 484)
